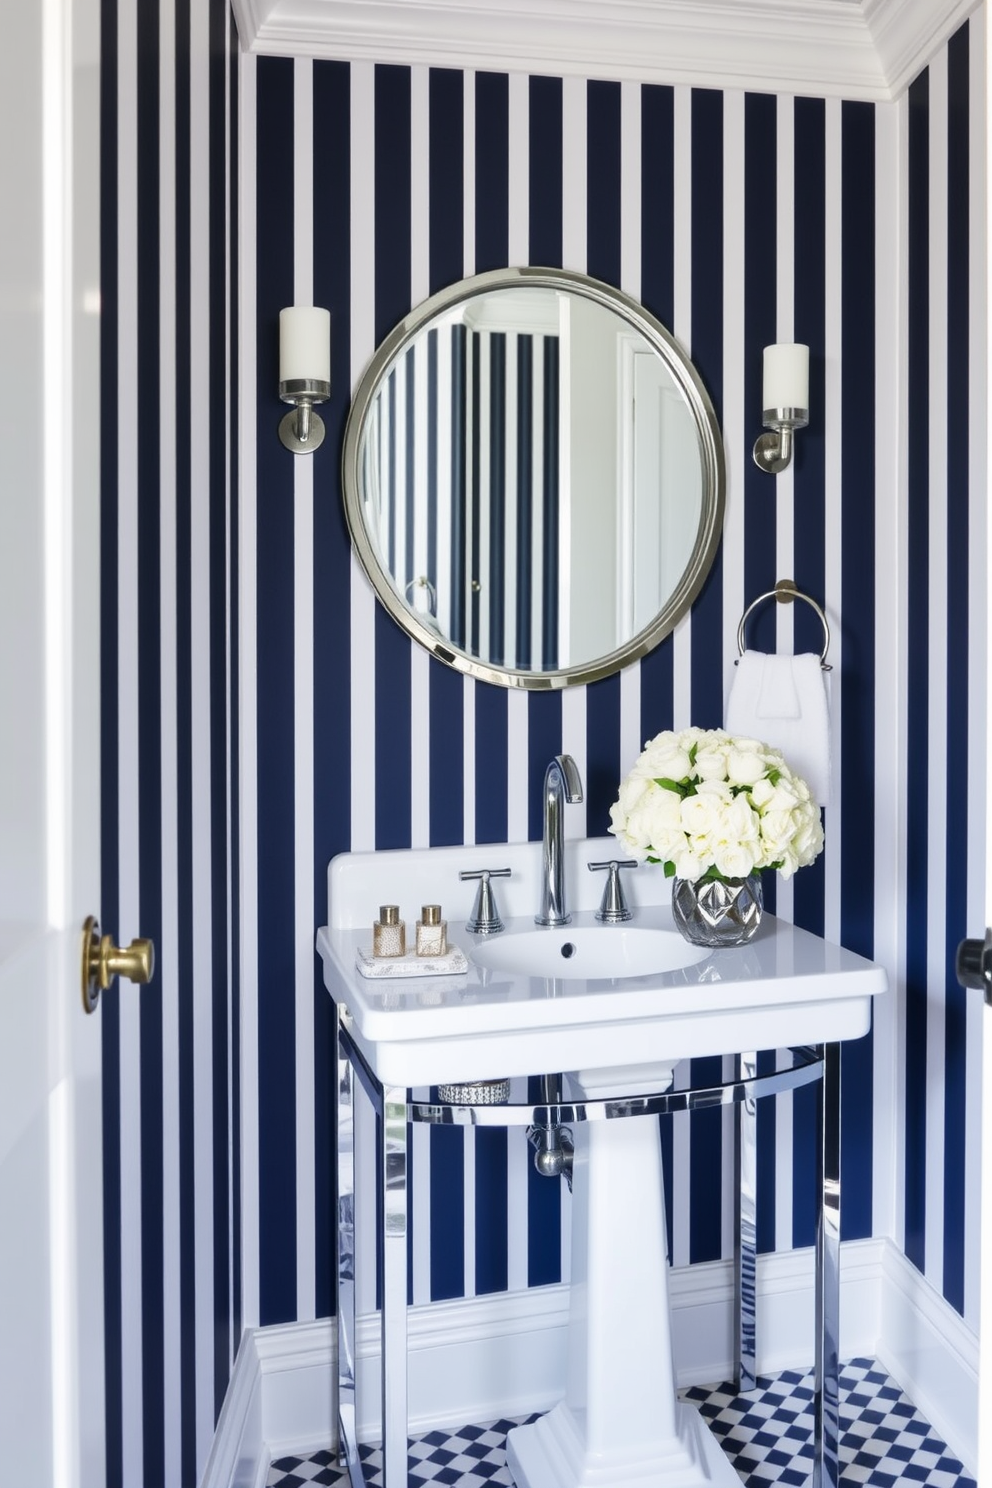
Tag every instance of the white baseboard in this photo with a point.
(480, 1358)
(931, 1353)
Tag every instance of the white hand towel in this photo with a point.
(784, 702)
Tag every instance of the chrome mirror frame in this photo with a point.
(713, 475)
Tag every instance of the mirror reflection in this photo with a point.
(533, 479)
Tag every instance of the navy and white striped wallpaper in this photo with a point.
(169, 728)
(263, 713)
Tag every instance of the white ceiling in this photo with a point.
(851, 48)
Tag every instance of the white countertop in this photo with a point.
(786, 987)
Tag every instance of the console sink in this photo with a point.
(611, 951)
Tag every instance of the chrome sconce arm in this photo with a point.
(304, 375)
(785, 405)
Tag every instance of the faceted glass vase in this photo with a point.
(717, 912)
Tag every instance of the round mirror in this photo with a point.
(534, 477)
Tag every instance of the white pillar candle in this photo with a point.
(304, 344)
(786, 377)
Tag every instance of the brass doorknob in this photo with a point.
(102, 961)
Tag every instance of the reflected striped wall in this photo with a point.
(262, 713)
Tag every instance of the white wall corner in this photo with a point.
(930, 1352)
(238, 1456)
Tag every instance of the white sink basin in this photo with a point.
(587, 951)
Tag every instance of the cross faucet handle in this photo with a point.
(614, 910)
(485, 919)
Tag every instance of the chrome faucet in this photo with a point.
(562, 783)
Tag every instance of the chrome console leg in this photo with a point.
(745, 1233)
(392, 1257)
(826, 1398)
(347, 1415)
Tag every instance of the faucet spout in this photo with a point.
(562, 782)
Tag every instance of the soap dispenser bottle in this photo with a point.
(432, 932)
(389, 932)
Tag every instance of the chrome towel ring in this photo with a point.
(785, 592)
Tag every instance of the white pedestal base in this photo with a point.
(621, 1424)
(550, 1453)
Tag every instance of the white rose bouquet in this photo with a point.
(709, 806)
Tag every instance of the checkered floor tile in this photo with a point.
(766, 1435)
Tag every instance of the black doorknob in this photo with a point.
(973, 964)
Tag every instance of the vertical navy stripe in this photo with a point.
(760, 275)
(492, 153)
(392, 302)
(274, 725)
(958, 458)
(492, 170)
(658, 202)
(544, 741)
(234, 942)
(918, 624)
(707, 353)
(603, 181)
(109, 762)
(545, 171)
(604, 766)
(431, 494)
(707, 616)
(658, 295)
(150, 742)
(765, 1162)
(543, 1212)
(331, 607)
(219, 867)
(857, 680)
(491, 1240)
(184, 757)
(447, 176)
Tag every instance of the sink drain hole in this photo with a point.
(568, 949)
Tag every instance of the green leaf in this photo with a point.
(669, 868)
(774, 776)
(692, 754)
(678, 786)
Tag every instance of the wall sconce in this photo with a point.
(785, 404)
(304, 375)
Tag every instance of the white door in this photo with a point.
(51, 1261)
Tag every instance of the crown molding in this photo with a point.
(858, 49)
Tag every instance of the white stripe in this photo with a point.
(230, 374)
(420, 1202)
(362, 347)
(303, 743)
(937, 671)
(517, 775)
(129, 821)
(518, 1158)
(203, 385)
(518, 156)
(631, 96)
(468, 173)
(682, 635)
(833, 435)
(784, 493)
(898, 906)
(172, 1311)
(247, 706)
(978, 599)
(573, 171)
(738, 433)
(890, 701)
(419, 184)
(739, 423)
